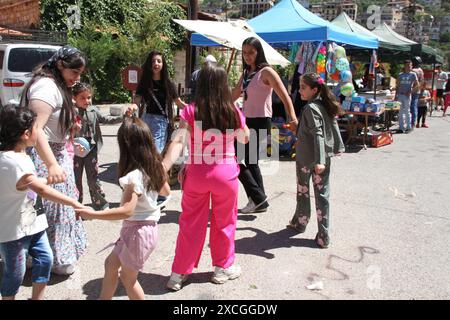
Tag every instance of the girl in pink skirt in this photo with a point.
(142, 179)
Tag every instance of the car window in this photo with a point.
(25, 59)
(2, 54)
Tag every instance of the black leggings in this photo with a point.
(250, 175)
(422, 113)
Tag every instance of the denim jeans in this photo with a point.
(414, 104)
(404, 118)
(14, 254)
(158, 125)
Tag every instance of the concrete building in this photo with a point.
(329, 10)
(390, 15)
(252, 8)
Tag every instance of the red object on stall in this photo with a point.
(382, 139)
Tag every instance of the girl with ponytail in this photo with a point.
(319, 140)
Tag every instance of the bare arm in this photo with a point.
(126, 210)
(236, 92)
(32, 182)
(176, 145)
(43, 111)
(180, 103)
(242, 135)
(165, 190)
(271, 78)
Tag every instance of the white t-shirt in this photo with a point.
(17, 214)
(146, 208)
(45, 89)
(441, 84)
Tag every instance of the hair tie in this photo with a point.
(320, 81)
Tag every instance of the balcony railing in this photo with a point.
(12, 34)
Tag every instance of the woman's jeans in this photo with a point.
(14, 254)
(158, 125)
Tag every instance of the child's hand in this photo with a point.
(80, 148)
(86, 213)
(319, 168)
(132, 108)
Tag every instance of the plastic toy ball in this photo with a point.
(342, 64)
(335, 76)
(339, 52)
(346, 76)
(322, 75)
(347, 89)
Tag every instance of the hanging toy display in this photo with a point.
(347, 89)
(346, 76)
(321, 61)
(342, 64)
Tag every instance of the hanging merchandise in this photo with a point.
(373, 63)
(293, 52)
(342, 64)
(346, 76)
(339, 52)
(347, 89)
(321, 60)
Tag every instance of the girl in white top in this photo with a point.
(22, 229)
(142, 179)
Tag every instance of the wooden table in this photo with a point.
(352, 133)
(389, 114)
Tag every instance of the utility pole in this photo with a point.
(190, 50)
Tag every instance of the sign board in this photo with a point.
(131, 76)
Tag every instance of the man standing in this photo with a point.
(194, 77)
(406, 84)
(416, 61)
(440, 86)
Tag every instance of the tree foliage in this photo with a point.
(116, 33)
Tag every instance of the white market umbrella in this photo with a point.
(231, 34)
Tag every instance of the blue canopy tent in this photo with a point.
(289, 22)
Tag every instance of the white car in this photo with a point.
(17, 61)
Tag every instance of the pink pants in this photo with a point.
(218, 184)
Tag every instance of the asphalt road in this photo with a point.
(390, 227)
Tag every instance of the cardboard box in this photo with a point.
(373, 107)
(380, 139)
(359, 99)
(357, 107)
(346, 105)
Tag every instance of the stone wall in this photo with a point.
(20, 13)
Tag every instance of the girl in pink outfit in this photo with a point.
(211, 178)
(142, 178)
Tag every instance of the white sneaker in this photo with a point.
(63, 269)
(222, 275)
(176, 281)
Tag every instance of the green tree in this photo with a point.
(109, 47)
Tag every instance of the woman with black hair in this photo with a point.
(257, 84)
(49, 95)
(155, 96)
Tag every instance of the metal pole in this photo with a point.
(375, 80)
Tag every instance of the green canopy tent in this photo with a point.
(428, 54)
(392, 46)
